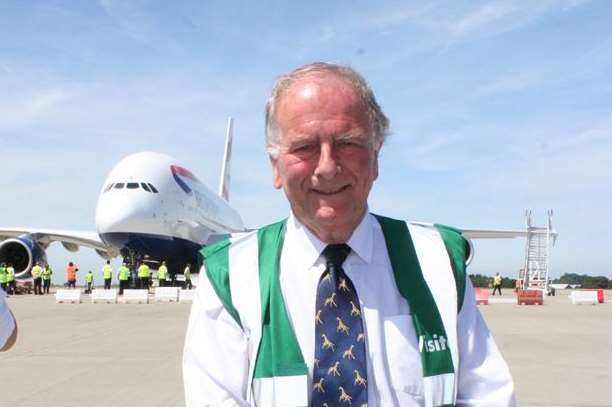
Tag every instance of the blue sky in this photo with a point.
(495, 107)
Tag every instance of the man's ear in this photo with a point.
(277, 181)
(375, 169)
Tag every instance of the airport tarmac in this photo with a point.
(130, 354)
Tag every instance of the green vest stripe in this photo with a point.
(458, 250)
(216, 259)
(279, 353)
(413, 287)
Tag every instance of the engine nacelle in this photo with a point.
(22, 253)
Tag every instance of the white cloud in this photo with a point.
(511, 83)
(27, 109)
(479, 19)
(132, 19)
(385, 18)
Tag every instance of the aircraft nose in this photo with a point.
(123, 215)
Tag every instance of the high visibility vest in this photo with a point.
(162, 273)
(46, 273)
(434, 291)
(89, 277)
(36, 271)
(107, 271)
(71, 273)
(124, 273)
(10, 274)
(497, 280)
(187, 274)
(3, 275)
(144, 271)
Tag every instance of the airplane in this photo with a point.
(150, 209)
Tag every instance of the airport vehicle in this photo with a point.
(150, 208)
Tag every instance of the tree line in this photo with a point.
(585, 281)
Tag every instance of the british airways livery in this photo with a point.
(150, 209)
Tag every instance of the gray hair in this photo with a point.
(379, 123)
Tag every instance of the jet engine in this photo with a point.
(22, 253)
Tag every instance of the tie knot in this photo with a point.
(335, 254)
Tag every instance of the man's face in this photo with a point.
(327, 163)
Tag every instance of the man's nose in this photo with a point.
(327, 167)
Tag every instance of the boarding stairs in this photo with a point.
(535, 272)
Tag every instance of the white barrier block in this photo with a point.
(107, 296)
(68, 296)
(498, 300)
(167, 294)
(137, 296)
(583, 297)
(186, 295)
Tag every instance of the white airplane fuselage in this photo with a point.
(153, 208)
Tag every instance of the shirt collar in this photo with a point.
(310, 247)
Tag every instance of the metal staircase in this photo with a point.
(534, 274)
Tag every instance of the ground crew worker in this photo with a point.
(124, 275)
(187, 274)
(37, 276)
(89, 281)
(46, 278)
(10, 280)
(3, 277)
(497, 283)
(107, 275)
(71, 271)
(162, 274)
(144, 272)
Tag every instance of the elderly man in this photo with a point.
(335, 306)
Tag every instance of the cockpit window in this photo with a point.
(132, 185)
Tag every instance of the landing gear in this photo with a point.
(132, 261)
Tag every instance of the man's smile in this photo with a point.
(331, 191)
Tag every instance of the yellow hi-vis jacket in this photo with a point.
(144, 271)
(124, 273)
(10, 274)
(162, 272)
(107, 272)
(36, 271)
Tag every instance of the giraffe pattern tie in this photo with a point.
(339, 370)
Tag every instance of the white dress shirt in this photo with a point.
(7, 323)
(215, 365)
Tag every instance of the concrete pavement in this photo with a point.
(130, 354)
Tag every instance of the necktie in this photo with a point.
(339, 371)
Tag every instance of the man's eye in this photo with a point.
(303, 148)
(347, 143)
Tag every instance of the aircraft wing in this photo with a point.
(503, 234)
(70, 239)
